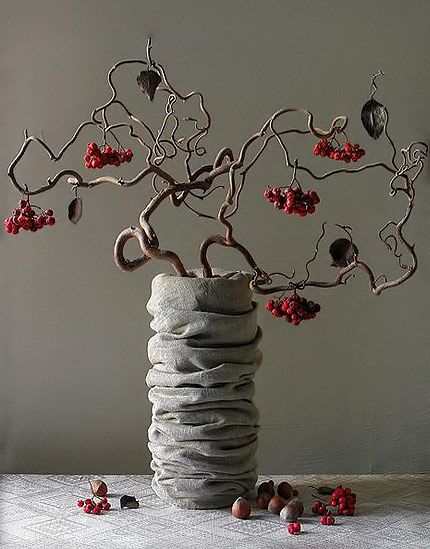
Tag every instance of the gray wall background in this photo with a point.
(346, 393)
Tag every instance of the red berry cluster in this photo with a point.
(293, 308)
(327, 519)
(319, 508)
(346, 153)
(24, 217)
(344, 499)
(98, 158)
(294, 528)
(91, 507)
(293, 201)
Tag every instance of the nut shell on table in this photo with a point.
(292, 511)
(241, 508)
(98, 488)
(268, 487)
(262, 500)
(285, 490)
(276, 504)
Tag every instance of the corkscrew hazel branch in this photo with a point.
(161, 147)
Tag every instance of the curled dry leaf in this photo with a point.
(148, 81)
(75, 210)
(128, 502)
(324, 490)
(374, 118)
(343, 252)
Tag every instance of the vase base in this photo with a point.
(201, 500)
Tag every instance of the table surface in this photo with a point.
(40, 511)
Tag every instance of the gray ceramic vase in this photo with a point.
(203, 435)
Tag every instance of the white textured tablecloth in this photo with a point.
(40, 511)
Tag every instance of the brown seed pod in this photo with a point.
(241, 508)
(98, 488)
(292, 511)
(285, 490)
(268, 487)
(276, 504)
(262, 500)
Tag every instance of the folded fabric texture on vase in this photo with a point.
(204, 355)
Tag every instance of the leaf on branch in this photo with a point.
(75, 210)
(374, 118)
(343, 252)
(148, 82)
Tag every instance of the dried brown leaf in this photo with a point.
(148, 81)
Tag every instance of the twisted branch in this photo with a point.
(199, 183)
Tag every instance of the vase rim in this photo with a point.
(218, 275)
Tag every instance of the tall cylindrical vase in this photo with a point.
(203, 435)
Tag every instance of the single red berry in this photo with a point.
(91, 147)
(294, 528)
(88, 501)
(106, 506)
(50, 220)
(80, 503)
(269, 305)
